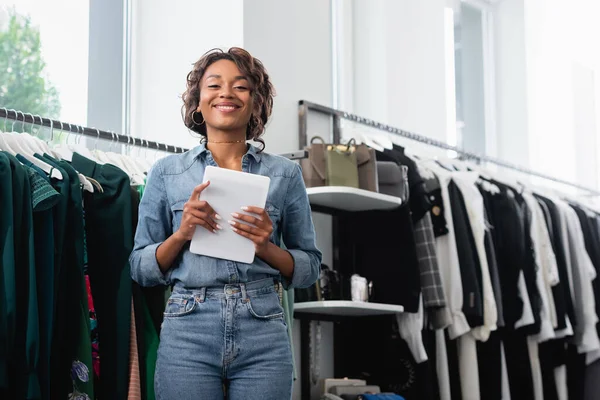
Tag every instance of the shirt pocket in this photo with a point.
(179, 305)
(177, 211)
(275, 216)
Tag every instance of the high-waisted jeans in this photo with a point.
(233, 336)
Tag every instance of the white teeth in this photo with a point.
(226, 107)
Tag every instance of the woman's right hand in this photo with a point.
(197, 212)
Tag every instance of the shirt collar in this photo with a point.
(202, 150)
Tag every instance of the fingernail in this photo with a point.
(245, 208)
(233, 229)
(235, 215)
(219, 226)
(231, 222)
(217, 216)
(214, 231)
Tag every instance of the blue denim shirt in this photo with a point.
(170, 184)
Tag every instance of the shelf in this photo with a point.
(351, 199)
(344, 308)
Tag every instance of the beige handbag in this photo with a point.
(367, 168)
(330, 164)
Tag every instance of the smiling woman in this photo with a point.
(224, 326)
(228, 88)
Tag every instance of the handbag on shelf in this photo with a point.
(393, 179)
(330, 164)
(331, 285)
(367, 168)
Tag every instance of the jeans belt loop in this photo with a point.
(201, 295)
(244, 293)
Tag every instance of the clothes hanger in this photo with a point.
(114, 157)
(24, 139)
(18, 149)
(63, 150)
(99, 155)
(141, 168)
(4, 145)
(41, 145)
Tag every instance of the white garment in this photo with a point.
(410, 326)
(537, 226)
(465, 181)
(583, 273)
(536, 369)
(441, 365)
(560, 376)
(527, 315)
(505, 384)
(468, 367)
(447, 256)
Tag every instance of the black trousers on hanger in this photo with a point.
(489, 360)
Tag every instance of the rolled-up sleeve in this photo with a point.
(154, 227)
(298, 234)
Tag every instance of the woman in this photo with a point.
(223, 326)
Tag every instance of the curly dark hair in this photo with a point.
(262, 90)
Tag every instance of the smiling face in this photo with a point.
(225, 99)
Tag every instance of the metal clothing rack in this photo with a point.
(23, 117)
(337, 116)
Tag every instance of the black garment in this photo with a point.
(575, 373)
(552, 354)
(470, 265)
(419, 202)
(383, 358)
(562, 293)
(489, 360)
(589, 227)
(434, 194)
(387, 258)
(507, 237)
(518, 364)
(490, 252)
(529, 268)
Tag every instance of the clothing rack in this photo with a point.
(95, 133)
(337, 115)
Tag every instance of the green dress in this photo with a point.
(109, 236)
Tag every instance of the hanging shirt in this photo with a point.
(476, 214)
(448, 257)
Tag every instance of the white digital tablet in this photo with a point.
(227, 193)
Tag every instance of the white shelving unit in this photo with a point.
(344, 308)
(351, 199)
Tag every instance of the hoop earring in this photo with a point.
(194, 119)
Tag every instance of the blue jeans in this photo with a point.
(233, 336)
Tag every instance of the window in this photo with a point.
(44, 58)
(469, 62)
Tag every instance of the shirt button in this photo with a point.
(228, 291)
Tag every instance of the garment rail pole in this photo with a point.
(306, 106)
(86, 131)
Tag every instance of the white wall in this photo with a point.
(562, 59)
(511, 82)
(399, 64)
(168, 37)
(293, 40)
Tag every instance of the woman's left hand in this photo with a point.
(260, 233)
